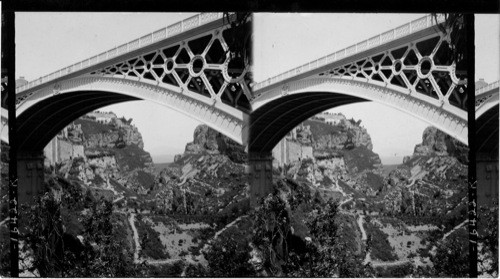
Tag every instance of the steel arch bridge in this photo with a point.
(188, 66)
(409, 68)
(486, 106)
(197, 66)
(486, 142)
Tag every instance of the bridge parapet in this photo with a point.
(487, 97)
(386, 37)
(156, 36)
(486, 89)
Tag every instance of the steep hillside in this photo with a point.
(341, 155)
(193, 217)
(402, 214)
(112, 154)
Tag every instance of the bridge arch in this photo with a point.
(43, 115)
(4, 134)
(486, 105)
(284, 108)
(486, 114)
(487, 132)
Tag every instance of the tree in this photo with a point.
(488, 237)
(454, 28)
(331, 255)
(98, 253)
(323, 254)
(44, 235)
(229, 256)
(452, 256)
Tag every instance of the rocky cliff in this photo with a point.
(112, 153)
(195, 209)
(432, 181)
(207, 178)
(341, 151)
(435, 142)
(207, 140)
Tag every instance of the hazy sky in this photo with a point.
(46, 42)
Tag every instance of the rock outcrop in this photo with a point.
(341, 150)
(431, 182)
(209, 177)
(346, 134)
(207, 140)
(435, 142)
(112, 153)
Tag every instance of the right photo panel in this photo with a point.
(358, 144)
(487, 77)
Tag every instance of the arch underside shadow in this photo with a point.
(271, 122)
(41, 122)
(487, 132)
(49, 105)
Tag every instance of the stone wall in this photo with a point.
(288, 151)
(65, 150)
(59, 150)
(50, 152)
(78, 151)
(102, 117)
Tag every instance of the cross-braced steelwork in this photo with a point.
(189, 66)
(410, 68)
(487, 98)
(200, 65)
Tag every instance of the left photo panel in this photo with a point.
(131, 142)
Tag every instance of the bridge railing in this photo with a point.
(488, 87)
(164, 33)
(391, 35)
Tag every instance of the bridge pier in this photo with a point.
(261, 175)
(30, 172)
(487, 178)
(31, 176)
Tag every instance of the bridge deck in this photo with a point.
(363, 46)
(132, 46)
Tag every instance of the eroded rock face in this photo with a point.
(208, 177)
(432, 181)
(117, 133)
(112, 150)
(205, 138)
(435, 142)
(347, 135)
(208, 140)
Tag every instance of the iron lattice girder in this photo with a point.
(417, 64)
(422, 66)
(414, 73)
(199, 65)
(486, 98)
(192, 72)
